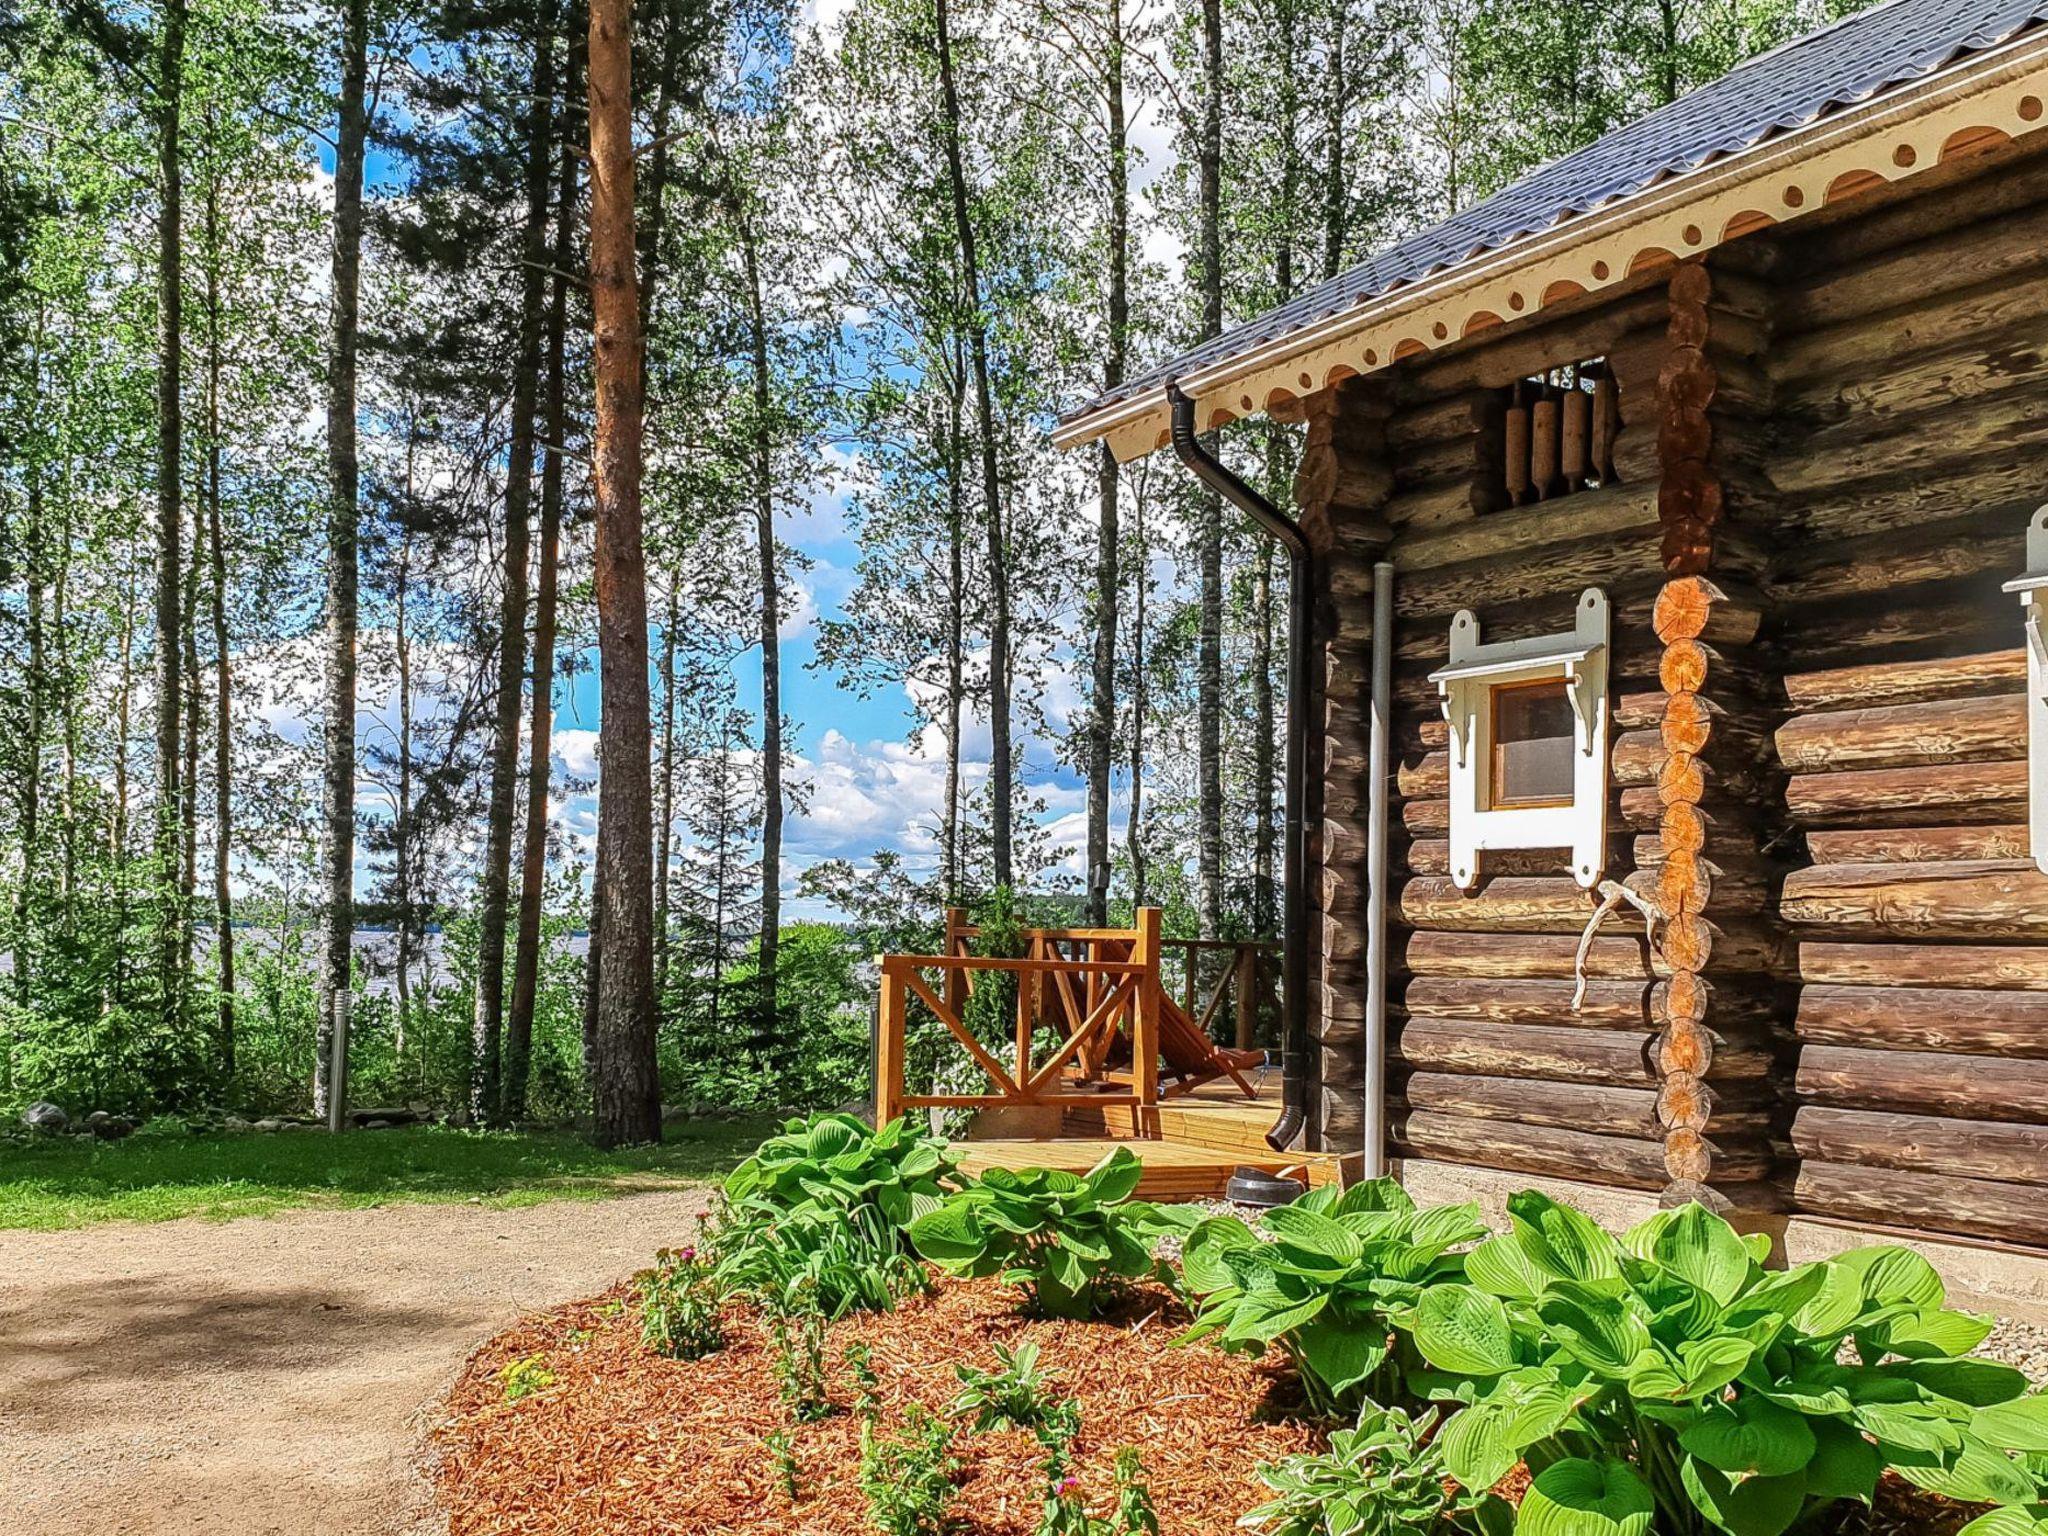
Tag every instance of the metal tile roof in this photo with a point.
(1785, 88)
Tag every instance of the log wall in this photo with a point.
(1830, 446)
(1910, 385)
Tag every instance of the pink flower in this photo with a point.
(1069, 1486)
(688, 1255)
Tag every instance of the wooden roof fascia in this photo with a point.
(1889, 139)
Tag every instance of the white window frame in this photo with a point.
(2032, 590)
(1466, 688)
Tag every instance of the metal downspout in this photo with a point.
(1294, 897)
(1379, 773)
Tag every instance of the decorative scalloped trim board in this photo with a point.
(1466, 687)
(2033, 594)
(1985, 101)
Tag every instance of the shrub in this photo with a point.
(1382, 1477)
(1339, 1270)
(798, 1338)
(843, 1260)
(679, 1300)
(1667, 1377)
(1057, 1234)
(908, 1479)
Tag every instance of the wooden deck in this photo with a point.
(1203, 1139)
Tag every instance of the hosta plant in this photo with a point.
(840, 1261)
(1059, 1235)
(1382, 1477)
(1667, 1381)
(1325, 1282)
(834, 1162)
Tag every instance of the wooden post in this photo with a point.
(1027, 1011)
(1145, 1022)
(956, 943)
(889, 1056)
(1247, 995)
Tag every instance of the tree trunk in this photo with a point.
(991, 482)
(956, 612)
(223, 673)
(1336, 188)
(34, 686)
(1134, 840)
(402, 831)
(665, 817)
(1265, 898)
(533, 861)
(1102, 713)
(1208, 505)
(771, 633)
(491, 1075)
(338, 772)
(625, 1089)
(170, 693)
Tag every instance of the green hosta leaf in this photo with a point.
(832, 1135)
(1340, 1354)
(1373, 1195)
(1980, 1383)
(1812, 1395)
(1446, 1226)
(1710, 1364)
(1484, 1441)
(1974, 1474)
(1570, 1245)
(1082, 1243)
(1750, 1506)
(2012, 1520)
(1938, 1331)
(1586, 1498)
(1130, 1255)
(1066, 1267)
(1266, 1324)
(1908, 1427)
(1319, 1236)
(1844, 1465)
(1835, 1306)
(2021, 1425)
(1750, 1435)
(1461, 1329)
(949, 1234)
(1596, 1329)
(1115, 1179)
(1780, 1295)
(1893, 1277)
(1697, 1246)
(1201, 1258)
(1505, 1266)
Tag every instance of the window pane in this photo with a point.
(1532, 744)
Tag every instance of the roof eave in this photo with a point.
(1682, 215)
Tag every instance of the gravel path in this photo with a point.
(266, 1376)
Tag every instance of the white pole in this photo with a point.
(1376, 872)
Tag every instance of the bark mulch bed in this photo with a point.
(625, 1442)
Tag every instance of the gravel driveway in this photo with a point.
(262, 1376)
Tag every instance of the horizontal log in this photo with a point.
(1967, 899)
(1578, 1106)
(1616, 1057)
(1610, 513)
(1613, 955)
(1959, 618)
(1607, 1005)
(1916, 493)
(1977, 1149)
(1924, 1083)
(1916, 845)
(1883, 563)
(1979, 792)
(1928, 1202)
(1432, 856)
(1598, 326)
(1925, 965)
(1902, 735)
(1963, 1021)
(1556, 1152)
(1908, 682)
(1509, 904)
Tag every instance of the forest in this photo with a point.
(398, 400)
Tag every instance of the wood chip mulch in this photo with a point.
(625, 1442)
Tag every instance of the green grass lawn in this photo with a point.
(75, 1182)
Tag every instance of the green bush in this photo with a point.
(1016, 1396)
(908, 1479)
(835, 1162)
(1057, 1234)
(1382, 1477)
(679, 1300)
(1666, 1380)
(1337, 1273)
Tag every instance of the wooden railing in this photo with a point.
(1095, 982)
(1241, 972)
(1094, 986)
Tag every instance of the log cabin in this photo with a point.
(1677, 544)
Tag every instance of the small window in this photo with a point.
(1558, 432)
(1532, 745)
(1528, 742)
